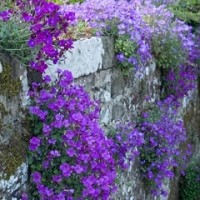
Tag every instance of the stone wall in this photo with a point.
(93, 65)
(13, 129)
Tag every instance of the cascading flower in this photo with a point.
(68, 146)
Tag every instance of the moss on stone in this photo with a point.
(9, 85)
(192, 121)
(3, 111)
(12, 156)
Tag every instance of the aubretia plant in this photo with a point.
(119, 19)
(125, 49)
(168, 51)
(47, 26)
(190, 182)
(161, 150)
(70, 156)
(142, 31)
(126, 143)
(38, 25)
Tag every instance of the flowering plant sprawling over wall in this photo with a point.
(70, 156)
(45, 19)
(143, 32)
(116, 18)
(158, 140)
(126, 143)
(162, 151)
(68, 146)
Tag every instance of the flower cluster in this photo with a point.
(126, 143)
(116, 18)
(164, 2)
(70, 155)
(5, 15)
(142, 32)
(181, 82)
(47, 26)
(161, 151)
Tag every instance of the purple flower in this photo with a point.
(34, 143)
(58, 123)
(31, 43)
(5, 15)
(66, 169)
(46, 129)
(78, 169)
(48, 192)
(47, 79)
(26, 16)
(45, 96)
(121, 57)
(45, 164)
(35, 110)
(57, 178)
(77, 117)
(24, 196)
(36, 177)
(54, 153)
(71, 152)
(67, 78)
(52, 141)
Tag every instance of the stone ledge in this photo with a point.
(88, 56)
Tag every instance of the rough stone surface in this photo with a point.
(85, 58)
(13, 132)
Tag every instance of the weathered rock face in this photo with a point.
(13, 168)
(121, 98)
(95, 68)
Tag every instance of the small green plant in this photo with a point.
(57, 1)
(14, 35)
(168, 51)
(190, 183)
(188, 11)
(67, 1)
(123, 44)
(7, 3)
(126, 49)
(75, 1)
(81, 30)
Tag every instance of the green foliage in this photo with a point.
(9, 86)
(128, 48)
(7, 4)
(58, 1)
(168, 51)
(35, 162)
(14, 35)
(75, 1)
(147, 153)
(190, 183)
(188, 11)
(124, 45)
(12, 155)
(81, 30)
(67, 1)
